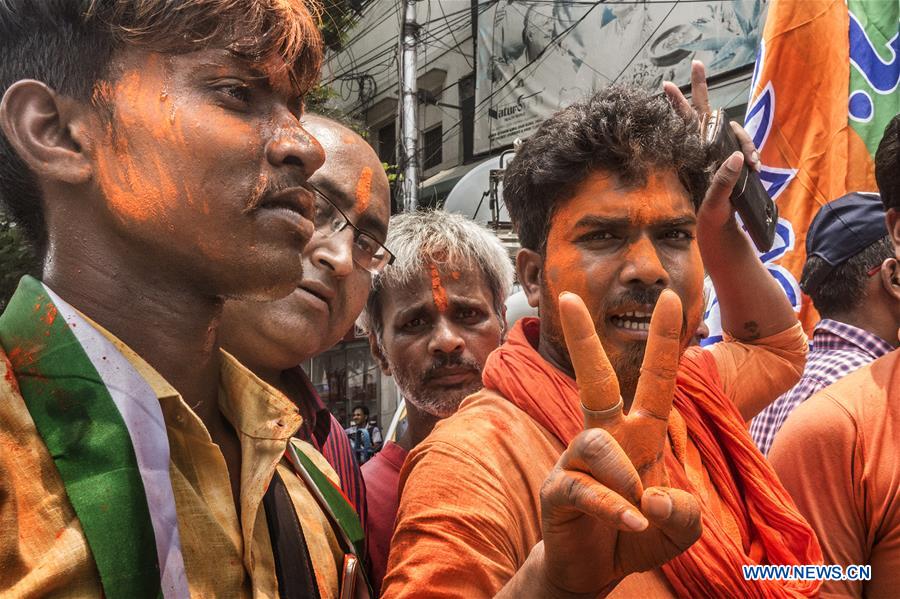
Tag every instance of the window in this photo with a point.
(387, 143)
(433, 148)
(347, 376)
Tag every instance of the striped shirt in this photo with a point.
(837, 350)
(323, 431)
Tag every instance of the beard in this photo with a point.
(626, 359)
(437, 401)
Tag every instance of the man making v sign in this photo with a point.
(665, 494)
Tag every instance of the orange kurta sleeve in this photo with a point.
(755, 373)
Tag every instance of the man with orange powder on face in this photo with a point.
(661, 496)
(432, 317)
(353, 205)
(153, 153)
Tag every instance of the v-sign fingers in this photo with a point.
(656, 385)
(597, 382)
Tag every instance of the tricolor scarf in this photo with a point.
(104, 429)
(771, 528)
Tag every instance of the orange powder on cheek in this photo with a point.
(363, 189)
(563, 262)
(438, 293)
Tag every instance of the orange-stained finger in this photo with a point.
(597, 382)
(675, 512)
(595, 476)
(751, 156)
(679, 102)
(597, 453)
(699, 89)
(656, 385)
(576, 491)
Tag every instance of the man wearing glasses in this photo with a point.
(273, 338)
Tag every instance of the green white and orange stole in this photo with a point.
(104, 429)
(332, 500)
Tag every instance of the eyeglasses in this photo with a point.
(368, 253)
(873, 271)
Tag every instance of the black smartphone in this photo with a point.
(749, 197)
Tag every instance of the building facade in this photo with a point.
(489, 71)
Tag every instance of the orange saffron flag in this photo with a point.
(823, 90)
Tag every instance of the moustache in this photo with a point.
(645, 295)
(266, 188)
(449, 361)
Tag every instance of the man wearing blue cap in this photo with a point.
(838, 454)
(846, 246)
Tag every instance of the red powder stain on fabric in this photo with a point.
(455, 275)
(363, 189)
(20, 357)
(438, 293)
(50, 316)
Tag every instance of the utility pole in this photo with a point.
(409, 118)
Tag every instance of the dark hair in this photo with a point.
(843, 289)
(364, 408)
(68, 45)
(623, 130)
(887, 165)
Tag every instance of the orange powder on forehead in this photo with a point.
(438, 293)
(363, 189)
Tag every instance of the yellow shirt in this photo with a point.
(43, 550)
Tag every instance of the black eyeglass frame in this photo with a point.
(356, 230)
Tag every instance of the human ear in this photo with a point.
(46, 131)
(892, 218)
(890, 277)
(375, 348)
(528, 266)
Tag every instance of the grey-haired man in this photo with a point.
(433, 317)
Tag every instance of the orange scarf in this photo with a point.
(771, 529)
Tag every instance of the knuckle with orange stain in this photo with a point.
(646, 463)
(664, 370)
(550, 487)
(594, 447)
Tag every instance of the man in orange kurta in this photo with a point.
(509, 497)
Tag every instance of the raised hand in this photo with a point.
(699, 106)
(606, 507)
